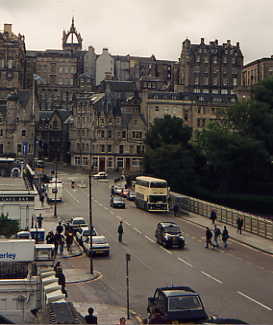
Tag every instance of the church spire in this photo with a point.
(75, 44)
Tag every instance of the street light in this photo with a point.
(56, 190)
(128, 258)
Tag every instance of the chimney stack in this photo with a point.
(8, 28)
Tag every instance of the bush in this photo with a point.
(8, 227)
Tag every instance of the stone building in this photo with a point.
(196, 110)
(108, 129)
(257, 71)
(209, 68)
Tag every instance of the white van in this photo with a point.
(54, 191)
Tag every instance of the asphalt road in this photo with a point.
(237, 282)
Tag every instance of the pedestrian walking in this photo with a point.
(69, 241)
(122, 321)
(39, 220)
(50, 238)
(120, 231)
(91, 318)
(240, 223)
(208, 238)
(56, 243)
(57, 268)
(59, 228)
(217, 233)
(61, 244)
(225, 236)
(213, 216)
(175, 210)
(61, 281)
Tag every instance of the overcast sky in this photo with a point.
(143, 27)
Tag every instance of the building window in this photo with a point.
(102, 148)
(109, 148)
(55, 124)
(1, 133)
(24, 133)
(135, 162)
(121, 148)
(95, 162)
(215, 61)
(19, 148)
(109, 134)
(1, 148)
(137, 134)
(77, 160)
(131, 149)
(123, 134)
(120, 162)
(85, 161)
(235, 82)
(53, 67)
(139, 149)
(109, 162)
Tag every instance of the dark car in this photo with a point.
(169, 235)
(117, 202)
(177, 304)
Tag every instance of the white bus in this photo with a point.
(152, 194)
(54, 190)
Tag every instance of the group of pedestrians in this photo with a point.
(59, 239)
(213, 236)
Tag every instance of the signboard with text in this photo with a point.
(17, 250)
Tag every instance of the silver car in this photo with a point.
(100, 246)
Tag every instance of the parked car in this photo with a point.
(177, 304)
(169, 235)
(117, 202)
(100, 175)
(99, 246)
(131, 196)
(76, 223)
(83, 233)
(117, 190)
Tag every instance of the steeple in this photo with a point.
(75, 43)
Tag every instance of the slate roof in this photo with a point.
(120, 86)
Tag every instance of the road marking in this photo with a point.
(127, 223)
(106, 208)
(118, 217)
(73, 197)
(167, 251)
(150, 239)
(112, 212)
(185, 262)
(137, 230)
(211, 277)
(100, 204)
(257, 302)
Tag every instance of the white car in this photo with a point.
(76, 223)
(100, 246)
(84, 233)
(100, 175)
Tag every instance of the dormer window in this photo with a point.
(24, 133)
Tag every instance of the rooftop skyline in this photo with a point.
(143, 28)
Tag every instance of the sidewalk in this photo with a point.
(75, 274)
(247, 238)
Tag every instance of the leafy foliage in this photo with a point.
(8, 227)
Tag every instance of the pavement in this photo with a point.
(110, 314)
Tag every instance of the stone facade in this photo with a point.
(257, 71)
(108, 129)
(209, 68)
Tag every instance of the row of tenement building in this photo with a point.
(92, 109)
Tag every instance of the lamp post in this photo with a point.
(56, 190)
(128, 259)
(90, 224)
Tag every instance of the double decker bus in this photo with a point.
(152, 194)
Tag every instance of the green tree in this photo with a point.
(8, 227)
(169, 154)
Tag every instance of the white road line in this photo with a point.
(150, 239)
(167, 251)
(100, 204)
(185, 262)
(106, 208)
(257, 302)
(211, 277)
(73, 197)
(137, 230)
(127, 223)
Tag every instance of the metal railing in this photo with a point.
(253, 224)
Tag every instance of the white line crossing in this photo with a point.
(256, 301)
(127, 223)
(167, 251)
(211, 277)
(150, 239)
(185, 262)
(137, 230)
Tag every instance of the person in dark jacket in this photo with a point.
(59, 228)
(225, 236)
(120, 231)
(91, 318)
(240, 223)
(217, 233)
(50, 238)
(208, 238)
(213, 216)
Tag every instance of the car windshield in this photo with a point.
(79, 222)
(158, 198)
(172, 230)
(184, 303)
(87, 232)
(158, 184)
(117, 199)
(99, 240)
